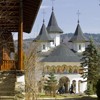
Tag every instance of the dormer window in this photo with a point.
(79, 47)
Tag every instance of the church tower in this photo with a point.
(54, 30)
(78, 40)
(43, 39)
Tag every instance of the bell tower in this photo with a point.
(54, 30)
(78, 40)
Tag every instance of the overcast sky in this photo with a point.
(66, 15)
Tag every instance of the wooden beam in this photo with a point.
(20, 38)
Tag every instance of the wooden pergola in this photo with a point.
(18, 16)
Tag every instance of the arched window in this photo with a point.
(64, 84)
(53, 69)
(70, 70)
(47, 69)
(75, 71)
(59, 70)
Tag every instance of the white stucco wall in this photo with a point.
(76, 47)
(56, 38)
(20, 79)
(83, 86)
(47, 46)
(62, 63)
(20, 84)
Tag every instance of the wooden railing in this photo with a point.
(8, 65)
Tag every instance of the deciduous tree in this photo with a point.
(32, 72)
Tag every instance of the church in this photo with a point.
(59, 58)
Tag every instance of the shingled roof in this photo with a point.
(62, 54)
(53, 25)
(10, 16)
(43, 35)
(78, 35)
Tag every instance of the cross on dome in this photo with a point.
(52, 4)
(43, 15)
(78, 13)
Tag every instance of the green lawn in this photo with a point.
(87, 98)
(69, 96)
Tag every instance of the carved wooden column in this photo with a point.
(20, 38)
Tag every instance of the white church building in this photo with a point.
(58, 58)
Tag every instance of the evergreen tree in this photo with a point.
(98, 89)
(51, 84)
(90, 64)
(89, 90)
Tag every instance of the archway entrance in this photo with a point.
(63, 85)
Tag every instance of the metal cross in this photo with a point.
(44, 15)
(78, 13)
(52, 2)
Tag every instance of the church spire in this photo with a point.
(78, 35)
(53, 25)
(78, 38)
(43, 35)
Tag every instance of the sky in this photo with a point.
(66, 15)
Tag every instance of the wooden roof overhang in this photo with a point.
(10, 14)
(17, 16)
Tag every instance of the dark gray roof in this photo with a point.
(43, 35)
(78, 35)
(52, 25)
(62, 54)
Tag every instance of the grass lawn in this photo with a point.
(87, 98)
(69, 97)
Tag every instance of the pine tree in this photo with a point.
(89, 90)
(98, 89)
(51, 84)
(90, 64)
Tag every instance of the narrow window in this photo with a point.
(79, 47)
(43, 46)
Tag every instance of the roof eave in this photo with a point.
(33, 21)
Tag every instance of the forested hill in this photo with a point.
(96, 37)
(64, 38)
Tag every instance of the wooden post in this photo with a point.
(20, 37)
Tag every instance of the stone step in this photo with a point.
(7, 97)
(7, 93)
